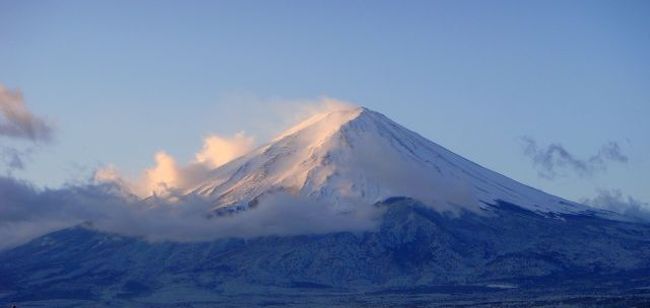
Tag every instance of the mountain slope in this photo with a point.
(418, 254)
(357, 156)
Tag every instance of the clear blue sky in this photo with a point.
(123, 79)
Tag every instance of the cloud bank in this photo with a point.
(28, 212)
(554, 160)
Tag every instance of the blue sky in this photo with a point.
(124, 79)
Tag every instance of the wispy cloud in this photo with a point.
(13, 159)
(17, 121)
(554, 159)
(25, 130)
(616, 201)
(264, 118)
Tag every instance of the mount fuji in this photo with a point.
(355, 156)
(450, 232)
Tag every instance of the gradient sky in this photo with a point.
(124, 79)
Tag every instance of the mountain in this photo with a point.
(451, 232)
(357, 156)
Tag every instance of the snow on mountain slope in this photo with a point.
(357, 156)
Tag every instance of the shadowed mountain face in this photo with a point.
(511, 253)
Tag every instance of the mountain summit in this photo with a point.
(353, 156)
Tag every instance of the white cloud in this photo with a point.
(163, 176)
(168, 176)
(219, 150)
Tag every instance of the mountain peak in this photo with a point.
(324, 123)
(353, 155)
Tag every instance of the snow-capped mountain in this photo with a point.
(509, 244)
(355, 156)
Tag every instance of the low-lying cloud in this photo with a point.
(17, 121)
(554, 160)
(28, 212)
(615, 200)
